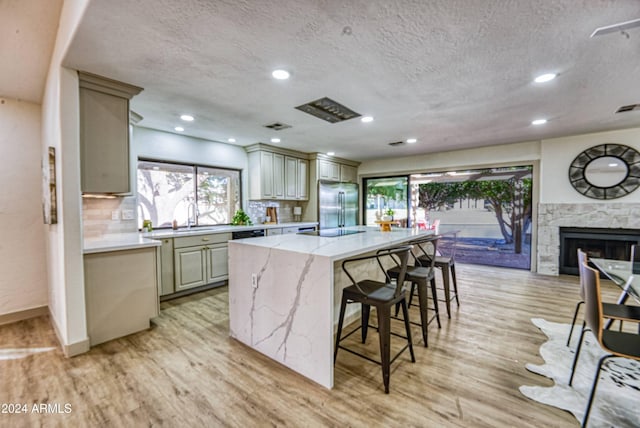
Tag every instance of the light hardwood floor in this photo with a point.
(186, 371)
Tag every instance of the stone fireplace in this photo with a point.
(601, 215)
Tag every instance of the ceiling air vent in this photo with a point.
(277, 126)
(630, 107)
(622, 27)
(329, 110)
(396, 143)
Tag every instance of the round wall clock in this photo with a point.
(607, 171)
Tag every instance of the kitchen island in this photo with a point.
(284, 293)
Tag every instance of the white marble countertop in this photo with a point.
(169, 233)
(128, 241)
(336, 248)
(118, 242)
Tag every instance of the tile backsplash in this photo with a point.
(97, 216)
(257, 210)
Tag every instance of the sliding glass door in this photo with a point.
(383, 194)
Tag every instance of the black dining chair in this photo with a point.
(611, 311)
(382, 295)
(615, 343)
(420, 277)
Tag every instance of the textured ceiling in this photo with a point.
(27, 35)
(453, 74)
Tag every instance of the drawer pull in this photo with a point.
(205, 239)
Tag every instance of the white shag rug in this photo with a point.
(617, 399)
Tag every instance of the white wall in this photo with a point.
(557, 155)
(60, 129)
(513, 154)
(159, 145)
(23, 273)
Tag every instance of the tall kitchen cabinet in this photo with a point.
(328, 168)
(276, 173)
(104, 134)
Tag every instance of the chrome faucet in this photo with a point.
(192, 219)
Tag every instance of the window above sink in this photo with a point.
(199, 194)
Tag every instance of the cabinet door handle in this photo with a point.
(166, 241)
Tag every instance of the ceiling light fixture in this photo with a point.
(179, 128)
(280, 74)
(539, 122)
(412, 140)
(231, 140)
(367, 119)
(275, 140)
(543, 78)
(187, 118)
(331, 153)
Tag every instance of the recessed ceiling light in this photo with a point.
(275, 140)
(231, 140)
(187, 118)
(331, 153)
(539, 122)
(280, 74)
(179, 128)
(545, 78)
(367, 119)
(412, 140)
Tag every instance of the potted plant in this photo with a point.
(241, 219)
(388, 215)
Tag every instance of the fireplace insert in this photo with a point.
(596, 242)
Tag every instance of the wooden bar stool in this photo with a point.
(382, 296)
(420, 276)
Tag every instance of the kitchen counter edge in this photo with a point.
(134, 240)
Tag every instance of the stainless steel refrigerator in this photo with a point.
(337, 204)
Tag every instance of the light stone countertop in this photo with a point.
(118, 242)
(336, 248)
(129, 241)
(204, 230)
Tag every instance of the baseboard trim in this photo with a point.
(72, 349)
(23, 315)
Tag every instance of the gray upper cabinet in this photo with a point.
(104, 134)
(348, 173)
(328, 170)
(296, 178)
(337, 171)
(276, 173)
(266, 175)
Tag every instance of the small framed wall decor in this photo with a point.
(49, 199)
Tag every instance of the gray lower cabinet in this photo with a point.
(190, 267)
(121, 292)
(201, 264)
(167, 284)
(217, 267)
